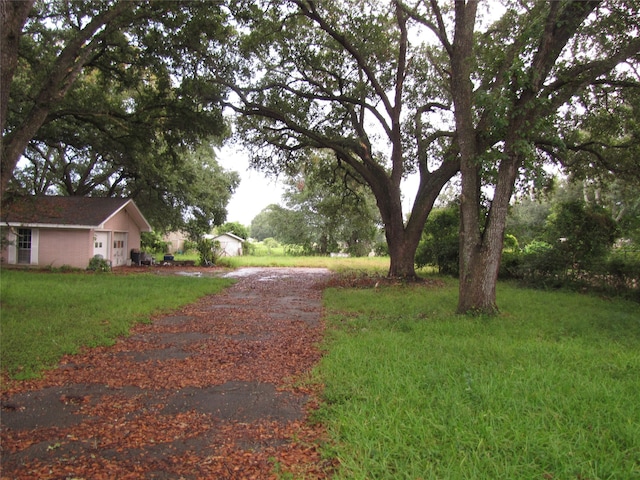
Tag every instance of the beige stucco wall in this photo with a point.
(58, 247)
(176, 241)
(122, 222)
(75, 247)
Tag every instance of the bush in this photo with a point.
(99, 264)
(381, 249)
(190, 245)
(295, 250)
(152, 242)
(248, 248)
(581, 233)
(271, 242)
(511, 264)
(440, 244)
(209, 251)
(359, 249)
(622, 274)
(540, 264)
(511, 243)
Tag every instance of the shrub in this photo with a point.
(99, 264)
(209, 251)
(359, 249)
(152, 242)
(248, 248)
(440, 241)
(271, 242)
(190, 245)
(381, 249)
(511, 243)
(295, 250)
(511, 264)
(581, 233)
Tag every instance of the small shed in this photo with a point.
(230, 244)
(55, 231)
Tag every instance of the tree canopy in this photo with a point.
(236, 228)
(429, 87)
(327, 210)
(511, 84)
(344, 76)
(334, 210)
(115, 99)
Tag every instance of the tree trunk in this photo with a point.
(13, 17)
(401, 242)
(479, 266)
(402, 253)
(66, 69)
(475, 294)
(481, 238)
(481, 252)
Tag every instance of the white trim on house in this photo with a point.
(35, 243)
(12, 247)
(48, 225)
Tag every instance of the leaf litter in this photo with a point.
(210, 391)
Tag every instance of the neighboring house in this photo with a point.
(175, 241)
(230, 244)
(55, 231)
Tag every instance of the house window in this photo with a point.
(24, 245)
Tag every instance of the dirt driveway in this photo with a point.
(215, 390)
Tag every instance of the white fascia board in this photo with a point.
(50, 225)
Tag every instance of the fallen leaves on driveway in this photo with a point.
(211, 391)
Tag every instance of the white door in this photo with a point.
(101, 244)
(119, 249)
(25, 247)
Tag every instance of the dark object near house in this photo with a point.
(146, 258)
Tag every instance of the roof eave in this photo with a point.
(49, 225)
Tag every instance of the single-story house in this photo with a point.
(55, 231)
(175, 241)
(230, 244)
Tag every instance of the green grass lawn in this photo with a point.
(550, 389)
(46, 315)
(372, 265)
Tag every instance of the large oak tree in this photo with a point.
(362, 79)
(114, 98)
(346, 76)
(509, 86)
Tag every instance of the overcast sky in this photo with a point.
(255, 192)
